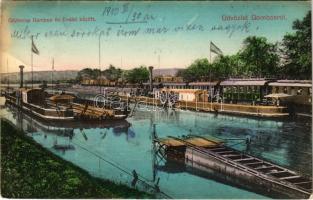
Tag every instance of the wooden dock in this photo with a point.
(204, 154)
(226, 108)
(195, 141)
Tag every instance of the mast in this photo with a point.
(122, 76)
(32, 67)
(52, 75)
(210, 52)
(8, 77)
(211, 92)
(100, 62)
(159, 62)
(33, 50)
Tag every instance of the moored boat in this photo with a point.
(33, 101)
(247, 171)
(60, 107)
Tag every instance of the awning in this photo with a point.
(174, 84)
(282, 84)
(202, 83)
(183, 90)
(154, 83)
(243, 83)
(277, 95)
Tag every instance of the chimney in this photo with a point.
(21, 75)
(151, 77)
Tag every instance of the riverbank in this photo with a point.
(30, 171)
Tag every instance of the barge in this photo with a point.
(210, 156)
(60, 107)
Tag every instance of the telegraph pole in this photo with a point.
(100, 62)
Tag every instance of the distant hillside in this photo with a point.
(68, 74)
(39, 76)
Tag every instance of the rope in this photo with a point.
(141, 179)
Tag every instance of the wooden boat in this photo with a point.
(60, 107)
(33, 101)
(249, 170)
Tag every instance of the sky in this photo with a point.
(130, 34)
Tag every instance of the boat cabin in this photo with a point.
(244, 90)
(299, 92)
(33, 96)
(189, 95)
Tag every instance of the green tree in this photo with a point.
(226, 66)
(112, 73)
(88, 73)
(259, 57)
(200, 69)
(137, 75)
(296, 50)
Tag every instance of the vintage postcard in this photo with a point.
(156, 99)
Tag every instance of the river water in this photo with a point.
(114, 151)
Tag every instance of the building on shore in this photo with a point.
(249, 91)
(102, 81)
(189, 95)
(203, 85)
(299, 91)
(171, 82)
(296, 94)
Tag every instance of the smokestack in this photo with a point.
(151, 77)
(21, 75)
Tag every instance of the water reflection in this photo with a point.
(31, 125)
(287, 143)
(72, 141)
(113, 150)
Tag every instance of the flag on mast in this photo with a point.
(215, 49)
(34, 48)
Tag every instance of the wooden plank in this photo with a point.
(306, 186)
(219, 148)
(289, 177)
(266, 167)
(305, 182)
(200, 142)
(254, 163)
(277, 172)
(223, 152)
(231, 155)
(171, 142)
(244, 159)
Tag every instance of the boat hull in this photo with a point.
(54, 115)
(207, 163)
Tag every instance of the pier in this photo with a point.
(207, 155)
(226, 108)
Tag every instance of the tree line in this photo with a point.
(287, 59)
(135, 75)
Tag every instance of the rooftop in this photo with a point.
(292, 83)
(243, 82)
(184, 90)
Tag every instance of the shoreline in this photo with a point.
(31, 171)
